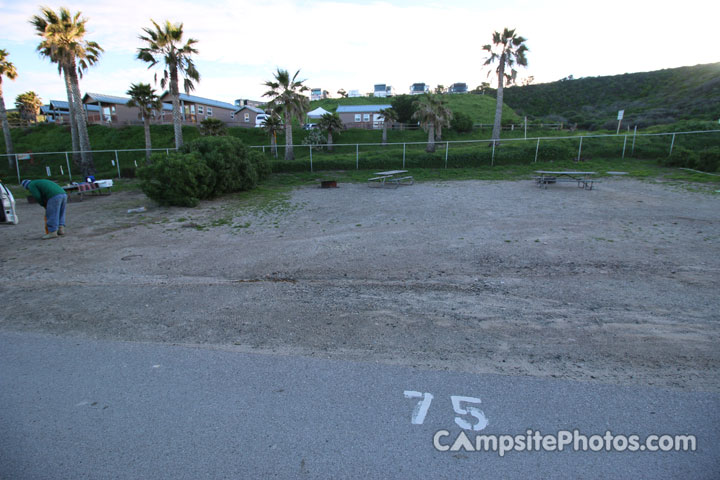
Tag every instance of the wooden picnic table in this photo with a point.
(393, 178)
(85, 188)
(584, 180)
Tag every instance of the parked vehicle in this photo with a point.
(458, 88)
(381, 90)
(260, 120)
(310, 126)
(419, 89)
(7, 201)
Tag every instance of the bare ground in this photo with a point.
(614, 285)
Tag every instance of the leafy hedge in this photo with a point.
(202, 169)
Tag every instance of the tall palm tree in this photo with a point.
(286, 95)
(28, 105)
(7, 69)
(431, 112)
(389, 116)
(330, 123)
(273, 124)
(165, 44)
(143, 96)
(506, 50)
(63, 42)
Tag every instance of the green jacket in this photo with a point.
(44, 190)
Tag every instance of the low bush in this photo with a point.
(205, 168)
(461, 122)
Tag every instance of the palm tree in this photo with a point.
(7, 69)
(28, 105)
(273, 124)
(63, 42)
(330, 123)
(286, 95)
(164, 44)
(432, 113)
(143, 96)
(389, 116)
(507, 50)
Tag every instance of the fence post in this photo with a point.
(447, 146)
(117, 163)
(17, 168)
(167, 152)
(357, 156)
(525, 128)
(672, 144)
(311, 167)
(263, 149)
(624, 145)
(580, 148)
(492, 161)
(67, 160)
(403, 156)
(632, 152)
(536, 150)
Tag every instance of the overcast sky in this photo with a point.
(353, 44)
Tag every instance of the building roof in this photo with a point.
(203, 101)
(252, 109)
(63, 105)
(102, 98)
(361, 108)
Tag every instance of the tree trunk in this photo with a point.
(177, 116)
(384, 140)
(6, 130)
(289, 154)
(431, 138)
(499, 102)
(329, 142)
(87, 166)
(148, 143)
(73, 123)
(438, 132)
(273, 144)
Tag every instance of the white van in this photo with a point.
(7, 202)
(260, 120)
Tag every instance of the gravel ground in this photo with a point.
(615, 285)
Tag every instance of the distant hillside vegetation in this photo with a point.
(648, 98)
(481, 108)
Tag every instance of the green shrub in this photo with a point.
(180, 179)
(461, 122)
(709, 159)
(204, 168)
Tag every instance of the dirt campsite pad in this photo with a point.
(615, 285)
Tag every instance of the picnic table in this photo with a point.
(101, 187)
(584, 180)
(393, 178)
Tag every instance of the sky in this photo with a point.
(354, 44)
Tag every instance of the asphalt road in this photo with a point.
(78, 408)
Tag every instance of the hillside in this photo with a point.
(648, 98)
(481, 108)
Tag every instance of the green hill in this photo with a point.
(648, 98)
(481, 108)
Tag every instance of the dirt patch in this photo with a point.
(615, 285)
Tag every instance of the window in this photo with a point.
(357, 117)
(366, 117)
(209, 111)
(247, 117)
(200, 110)
(192, 109)
(232, 115)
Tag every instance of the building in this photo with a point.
(381, 90)
(241, 102)
(362, 116)
(246, 116)
(58, 111)
(196, 109)
(419, 89)
(110, 109)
